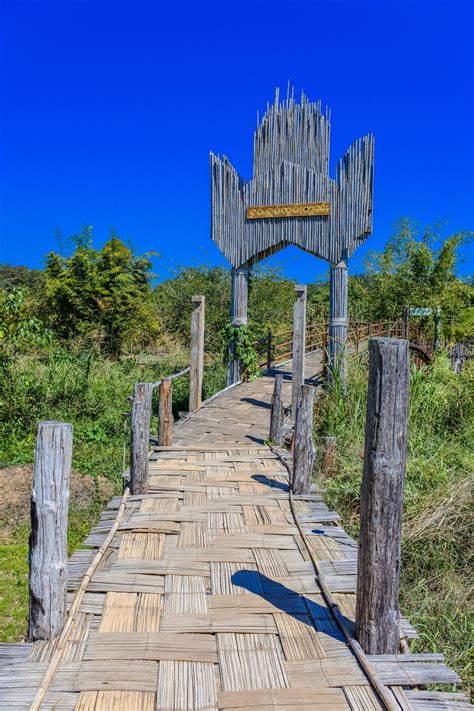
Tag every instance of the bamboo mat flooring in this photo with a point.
(241, 415)
(206, 598)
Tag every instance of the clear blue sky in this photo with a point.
(110, 110)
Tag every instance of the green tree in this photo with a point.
(12, 277)
(415, 269)
(173, 301)
(20, 329)
(105, 293)
(271, 297)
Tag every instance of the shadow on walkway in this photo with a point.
(262, 479)
(292, 603)
(256, 403)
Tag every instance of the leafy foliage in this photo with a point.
(173, 303)
(413, 270)
(19, 277)
(271, 297)
(19, 328)
(238, 344)
(105, 294)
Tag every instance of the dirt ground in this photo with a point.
(15, 489)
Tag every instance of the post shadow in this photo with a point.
(272, 483)
(257, 403)
(291, 602)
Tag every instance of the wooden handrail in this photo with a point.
(316, 338)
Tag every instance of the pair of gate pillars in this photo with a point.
(337, 330)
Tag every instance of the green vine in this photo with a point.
(238, 344)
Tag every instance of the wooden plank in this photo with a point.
(250, 661)
(284, 699)
(152, 647)
(115, 700)
(186, 685)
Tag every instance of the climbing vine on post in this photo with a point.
(238, 345)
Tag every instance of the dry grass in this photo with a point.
(437, 571)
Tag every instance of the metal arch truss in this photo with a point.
(291, 168)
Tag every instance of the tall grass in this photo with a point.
(436, 552)
(78, 385)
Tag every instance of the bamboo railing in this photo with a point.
(274, 349)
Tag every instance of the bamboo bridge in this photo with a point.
(219, 588)
(220, 580)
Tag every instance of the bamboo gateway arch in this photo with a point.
(291, 199)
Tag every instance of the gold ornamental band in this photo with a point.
(304, 209)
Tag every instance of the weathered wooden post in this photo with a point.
(381, 496)
(298, 344)
(165, 413)
(197, 352)
(269, 349)
(277, 415)
(338, 319)
(48, 538)
(458, 357)
(140, 437)
(238, 316)
(304, 454)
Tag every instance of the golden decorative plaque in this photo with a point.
(304, 209)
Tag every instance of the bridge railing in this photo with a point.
(274, 349)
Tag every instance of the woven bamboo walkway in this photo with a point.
(206, 596)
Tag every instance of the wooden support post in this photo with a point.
(48, 538)
(458, 357)
(381, 496)
(338, 320)
(140, 438)
(269, 350)
(197, 352)
(298, 344)
(238, 315)
(304, 453)
(165, 413)
(277, 415)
